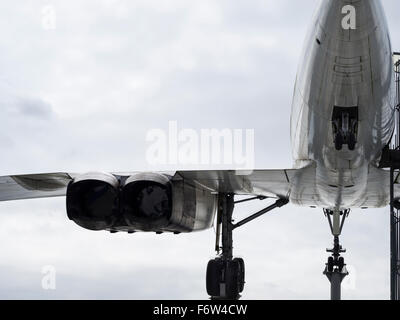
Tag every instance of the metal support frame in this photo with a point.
(394, 161)
(394, 238)
(391, 160)
(336, 278)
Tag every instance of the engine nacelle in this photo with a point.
(142, 202)
(92, 201)
(146, 201)
(151, 201)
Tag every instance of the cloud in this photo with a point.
(16, 104)
(33, 108)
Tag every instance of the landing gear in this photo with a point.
(224, 279)
(335, 269)
(351, 141)
(225, 274)
(345, 127)
(242, 272)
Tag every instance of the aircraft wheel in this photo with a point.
(352, 142)
(341, 263)
(242, 273)
(214, 277)
(330, 264)
(232, 280)
(339, 140)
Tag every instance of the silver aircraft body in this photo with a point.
(344, 69)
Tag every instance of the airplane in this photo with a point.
(342, 119)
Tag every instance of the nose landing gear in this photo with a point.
(335, 269)
(345, 127)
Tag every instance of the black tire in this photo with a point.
(341, 263)
(242, 269)
(339, 140)
(232, 280)
(330, 264)
(352, 142)
(214, 277)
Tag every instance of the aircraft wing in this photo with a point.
(33, 186)
(268, 183)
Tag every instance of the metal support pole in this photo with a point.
(394, 240)
(336, 279)
(395, 202)
(278, 204)
(393, 261)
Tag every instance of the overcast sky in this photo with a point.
(80, 94)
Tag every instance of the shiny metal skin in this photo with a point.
(193, 208)
(343, 68)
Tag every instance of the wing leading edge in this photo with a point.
(33, 186)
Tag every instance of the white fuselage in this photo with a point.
(346, 68)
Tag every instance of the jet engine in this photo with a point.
(92, 200)
(150, 202)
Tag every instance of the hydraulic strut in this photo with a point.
(335, 268)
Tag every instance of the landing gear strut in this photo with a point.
(225, 274)
(335, 269)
